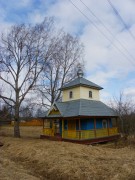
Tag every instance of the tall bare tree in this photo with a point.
(125, 108)
(68, 52)
(24, 53)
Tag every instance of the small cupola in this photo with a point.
(80, 88)
(80, 72)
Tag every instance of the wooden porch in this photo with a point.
(89, 134)
(69, 132)
(83, 134)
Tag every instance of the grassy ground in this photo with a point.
(31, 158)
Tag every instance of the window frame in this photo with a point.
(70, 94)
(90, 94)
(104, 126)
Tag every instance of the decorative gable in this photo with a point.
(54, 110)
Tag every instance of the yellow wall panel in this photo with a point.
(80, 93)
(89, 134)
(48, 131)
(76, 94)
(84, 93)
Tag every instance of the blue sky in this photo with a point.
(110, 59)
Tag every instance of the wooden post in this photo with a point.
(43, 126)
(53, 127)
(62, 127)
(117, 125)
(43, 123)
(95, 127)
(79, 124)
(108, 126)
(79, 129)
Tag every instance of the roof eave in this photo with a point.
(64, 88)
(75, 116)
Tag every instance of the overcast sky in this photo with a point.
(107, 32)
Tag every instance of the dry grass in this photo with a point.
(32, 158)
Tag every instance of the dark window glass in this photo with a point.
(65, 124)
(90, 94)
(70, 94)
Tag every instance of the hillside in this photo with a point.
(34, 159)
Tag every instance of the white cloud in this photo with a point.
(35, 17)
(102, 77)
(130, 91)
(105, 96)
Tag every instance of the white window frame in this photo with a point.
(90, 94)
(70, 94)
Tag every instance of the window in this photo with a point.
(70, 94)
(90, 94)
(104, 123)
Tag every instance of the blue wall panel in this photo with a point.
(110, 123)
(90, 124)
(87, 124)
(98, 123)
(83, 124)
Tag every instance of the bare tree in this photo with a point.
(68, 52)
(125, 109)
(24, 53)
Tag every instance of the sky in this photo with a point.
(105, 27)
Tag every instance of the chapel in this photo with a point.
(80, 117)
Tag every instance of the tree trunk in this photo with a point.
(16, 123)
(16, 128)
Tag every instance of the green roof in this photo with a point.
(83, 107)
(80, 81)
